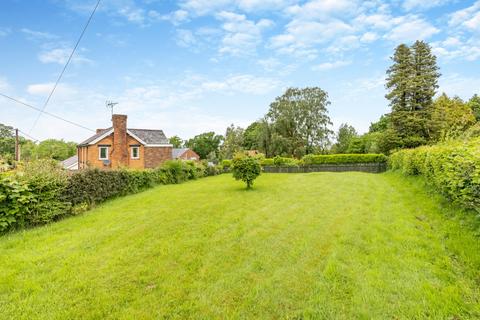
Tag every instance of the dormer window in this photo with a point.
(135, 152)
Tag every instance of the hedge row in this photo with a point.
(453, 169)
(42, 192)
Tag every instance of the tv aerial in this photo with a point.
(110, 104)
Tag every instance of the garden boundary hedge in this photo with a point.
(42, 192)
(374, 167)
(453, 169)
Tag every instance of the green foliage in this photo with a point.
(15, 198)
(232, 143)
(452, 168)
(299, 122)
(246, 168)
(474, 104)
(43, 192)
(267, 162)
(345, 135)
(449, 118)
(412, 81)
(226, 163)
(205, 144)
(47, 182)
(7, 140)
(55, 149)
(343, 158)
(285, 162)
(176, 141)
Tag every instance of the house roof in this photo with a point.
(68, 163)
(177, 152)
(146, 136)
(150, 136)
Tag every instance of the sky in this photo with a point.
(193, 66)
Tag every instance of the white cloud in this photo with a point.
(256, 5)
(411, 28)
(456, 48)
(468, 17)
(422, 4)
(176, 17)
(185, 38)
(5, 32)
(242, 36)
(331, 65)
(247, 84)
(368, 37)
(60, 56)
(322, 9)
(39, 35)
(44, 89)
(456, 84)
(203, 7)
(4, 85)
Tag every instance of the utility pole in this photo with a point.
(17, 146)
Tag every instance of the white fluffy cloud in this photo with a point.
(241, 35)
(331, 65)
(60, 56)
(423, 4)
(410, 28)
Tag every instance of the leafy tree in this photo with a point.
(356, 145)
(55, 149)
(299, 122)
(176, 141)
(246, 168)
(345, 135)
(205, 143)
(7, 141)
(399, 76)
(425, 78)
(381, 125)
(251, 136)
(233, 142)
(474, 104)
(449, 118)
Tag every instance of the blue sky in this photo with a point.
(198, 65)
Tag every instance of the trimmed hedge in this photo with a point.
(452, 168)
(43, 192)
(313, 159)
(343, 158)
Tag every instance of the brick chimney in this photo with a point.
(120, 149)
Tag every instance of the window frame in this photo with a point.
(138, 152)
(100, 153)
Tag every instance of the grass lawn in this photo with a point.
(319, 245)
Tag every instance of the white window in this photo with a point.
(103, 153)
(135, 152)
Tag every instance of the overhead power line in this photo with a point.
(45, 112)
(66, 65)
(28, 136)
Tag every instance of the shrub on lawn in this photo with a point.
(246, 168)
(452, 168)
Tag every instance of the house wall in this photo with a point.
(154, 156)
(88, 156)
(190, 155)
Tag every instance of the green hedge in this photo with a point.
(344, 159)
(313, 159)
(43, 192)
(452, 168)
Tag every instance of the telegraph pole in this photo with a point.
(17, 146)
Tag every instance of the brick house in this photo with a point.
(119, 146)
(185, 154)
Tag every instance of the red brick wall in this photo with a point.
(154, 156)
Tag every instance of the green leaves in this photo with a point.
(246, 168)
(452, 168)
